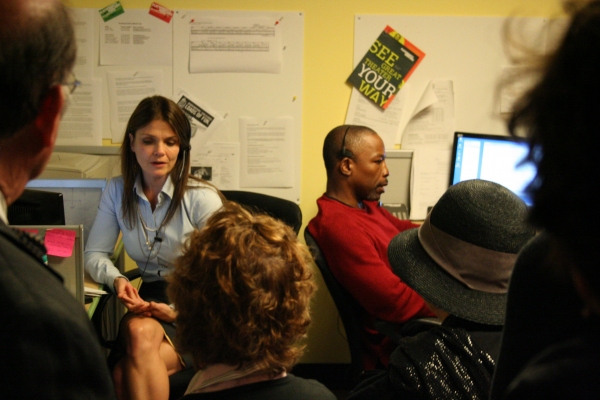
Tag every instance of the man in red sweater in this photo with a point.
(353, 231)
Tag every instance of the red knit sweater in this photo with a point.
(354, 242)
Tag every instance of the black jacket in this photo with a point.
(453, 361)
(48, 349)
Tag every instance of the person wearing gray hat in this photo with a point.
(460, 261)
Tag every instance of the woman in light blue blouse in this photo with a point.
(155, 204)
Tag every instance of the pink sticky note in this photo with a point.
(60, 242)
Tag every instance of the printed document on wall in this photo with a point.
(235, 44)
(362, 111)
(218, 163)
(204, 121)
(267, 152)
(432, 122)
(83, 22)
(429, 179)
(125, 91)
(81, 124)
(136, 38)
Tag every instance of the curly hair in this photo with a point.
(242, 290)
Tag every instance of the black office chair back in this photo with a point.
(282, 209)
(348, 309)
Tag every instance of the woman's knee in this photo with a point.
(142, 334)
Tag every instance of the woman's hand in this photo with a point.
(162, 311)
(129, 296)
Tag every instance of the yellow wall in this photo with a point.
(328, 55)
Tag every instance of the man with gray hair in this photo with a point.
(48, 347)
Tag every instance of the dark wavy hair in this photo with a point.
(242, 290)
(37, 51)
(559, 115)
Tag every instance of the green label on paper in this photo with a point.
(109, 12)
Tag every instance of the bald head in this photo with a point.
(37, 51)
(347, 136)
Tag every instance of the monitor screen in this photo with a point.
(492, 158)
(37, 207)
(80, 196)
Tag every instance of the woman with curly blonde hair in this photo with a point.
(242, 290)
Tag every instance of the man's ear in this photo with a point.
(346, 166)
(48, 118)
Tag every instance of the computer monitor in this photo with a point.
(80, 196)
(37, 207)
(492, 158)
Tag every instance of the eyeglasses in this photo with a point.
(344, 152)
(72, 83)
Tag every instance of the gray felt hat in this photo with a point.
(461, 258)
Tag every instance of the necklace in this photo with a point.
(359, 204)
(146, 229)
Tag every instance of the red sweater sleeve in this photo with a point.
(401, 224)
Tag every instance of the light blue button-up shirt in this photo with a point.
(156, 258)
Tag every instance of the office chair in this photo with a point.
(348, 309)
(284, 210)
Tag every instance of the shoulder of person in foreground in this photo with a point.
(567, 370)
(425, 366)
(290, 387)
(50, 350)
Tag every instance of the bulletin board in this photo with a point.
(258, 95)
(86, 69)
(234, 95)
(467, 50)
(464, 63)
